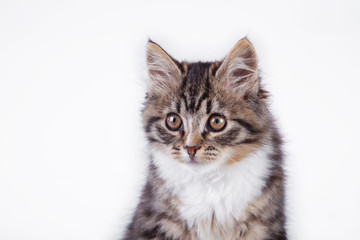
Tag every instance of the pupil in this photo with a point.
(173, 120)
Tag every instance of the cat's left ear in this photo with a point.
(239, 70)
(163, 70)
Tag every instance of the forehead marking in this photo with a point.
(208, 106)
(196, 86)
(185, 101)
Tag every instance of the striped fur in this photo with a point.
(233, 187)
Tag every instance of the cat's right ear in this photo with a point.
(163, 71)
(239, 70)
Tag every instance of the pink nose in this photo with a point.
(192, 150)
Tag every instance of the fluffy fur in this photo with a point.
(233, 187)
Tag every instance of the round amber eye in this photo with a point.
(216, 123)
(173, 122)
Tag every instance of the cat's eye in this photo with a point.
(173, 122)
(216, 123)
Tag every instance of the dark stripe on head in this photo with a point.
(183, 86)
(205, 95)
(196, 85)
(150, 122)
(208, 106)
(202, 98)
(246, 125)
(185, 101)
(192, 104)
(184, 82)
(178, 105)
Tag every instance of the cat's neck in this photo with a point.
(222, 192)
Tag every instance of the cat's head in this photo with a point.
(205, 113)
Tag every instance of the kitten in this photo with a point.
(215, 167)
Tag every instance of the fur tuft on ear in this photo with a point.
(163, 71)
(239, 71)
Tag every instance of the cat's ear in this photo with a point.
(239, 70)
(163, 71)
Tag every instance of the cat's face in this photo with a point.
(205, 113)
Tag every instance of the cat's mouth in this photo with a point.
(191, 160)
(194, 162)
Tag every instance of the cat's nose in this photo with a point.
(192, 150)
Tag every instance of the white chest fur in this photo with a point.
(220, 192)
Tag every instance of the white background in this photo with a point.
(72, 76)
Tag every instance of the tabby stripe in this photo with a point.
(183, 85)
(203, 97)
(208, 107)
(184, 82)
(228, 137)
(207, 83)
(151, 139)
(206, 94)
(248, 141)
(150, 122)
(185, 101)
(246, 125)
(164, 136)
(192, 104)
(178, 105)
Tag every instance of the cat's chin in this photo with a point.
(195, 163)
(200, 167)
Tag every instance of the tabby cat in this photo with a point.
(215, 170)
